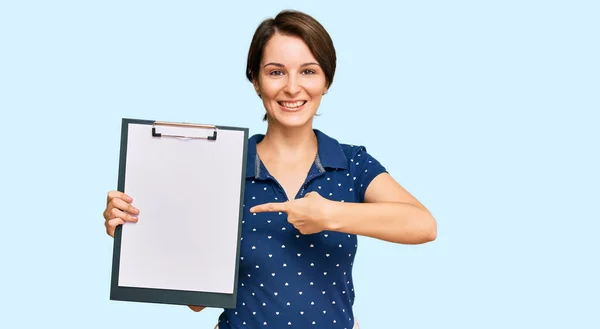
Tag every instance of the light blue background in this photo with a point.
(487, 111)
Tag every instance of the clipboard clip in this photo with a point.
(186, 125)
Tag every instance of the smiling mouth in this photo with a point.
(292, 105)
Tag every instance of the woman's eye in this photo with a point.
(275, 72)
(307, 71)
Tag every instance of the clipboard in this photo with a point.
(188, 182)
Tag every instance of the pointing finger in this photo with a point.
(270, 207)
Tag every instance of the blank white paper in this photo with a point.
(188, 193)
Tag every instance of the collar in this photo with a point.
(329, 155)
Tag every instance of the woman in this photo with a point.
(307, 196)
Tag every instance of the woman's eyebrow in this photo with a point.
(274, 64)
(281, 65)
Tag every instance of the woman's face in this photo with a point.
(290, 81)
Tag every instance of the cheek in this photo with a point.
(316, 92)
(271, 89)
(315, 87)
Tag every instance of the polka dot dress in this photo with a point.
(291, 280)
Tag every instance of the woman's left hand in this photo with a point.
(308, 215)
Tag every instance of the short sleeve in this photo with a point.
(364, 168)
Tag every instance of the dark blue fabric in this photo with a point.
(291, 280)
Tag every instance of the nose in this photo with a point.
(292, 86)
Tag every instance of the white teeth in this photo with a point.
(292, 105)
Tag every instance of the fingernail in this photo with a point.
(135, 218)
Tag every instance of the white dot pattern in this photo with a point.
(291, 280)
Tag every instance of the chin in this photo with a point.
(294, 123)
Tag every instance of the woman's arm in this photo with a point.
(389, 213)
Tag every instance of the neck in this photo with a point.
(287, 143)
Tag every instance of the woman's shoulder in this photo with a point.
(353, 150)
(355, 156)
(361, 166)
(330, 142)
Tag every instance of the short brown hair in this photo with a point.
(298, 24)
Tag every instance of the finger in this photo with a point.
(112, 224)
(270, 207)
(301, 228)
(116, 213)
(118, 194)
(124, 206)
(297, 224)
(307, 230)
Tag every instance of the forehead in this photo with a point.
(287, 50)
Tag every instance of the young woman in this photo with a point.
(307, 196)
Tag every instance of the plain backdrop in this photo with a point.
(487, 111)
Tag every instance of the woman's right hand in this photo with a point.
(118, 211)
(196, 308)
